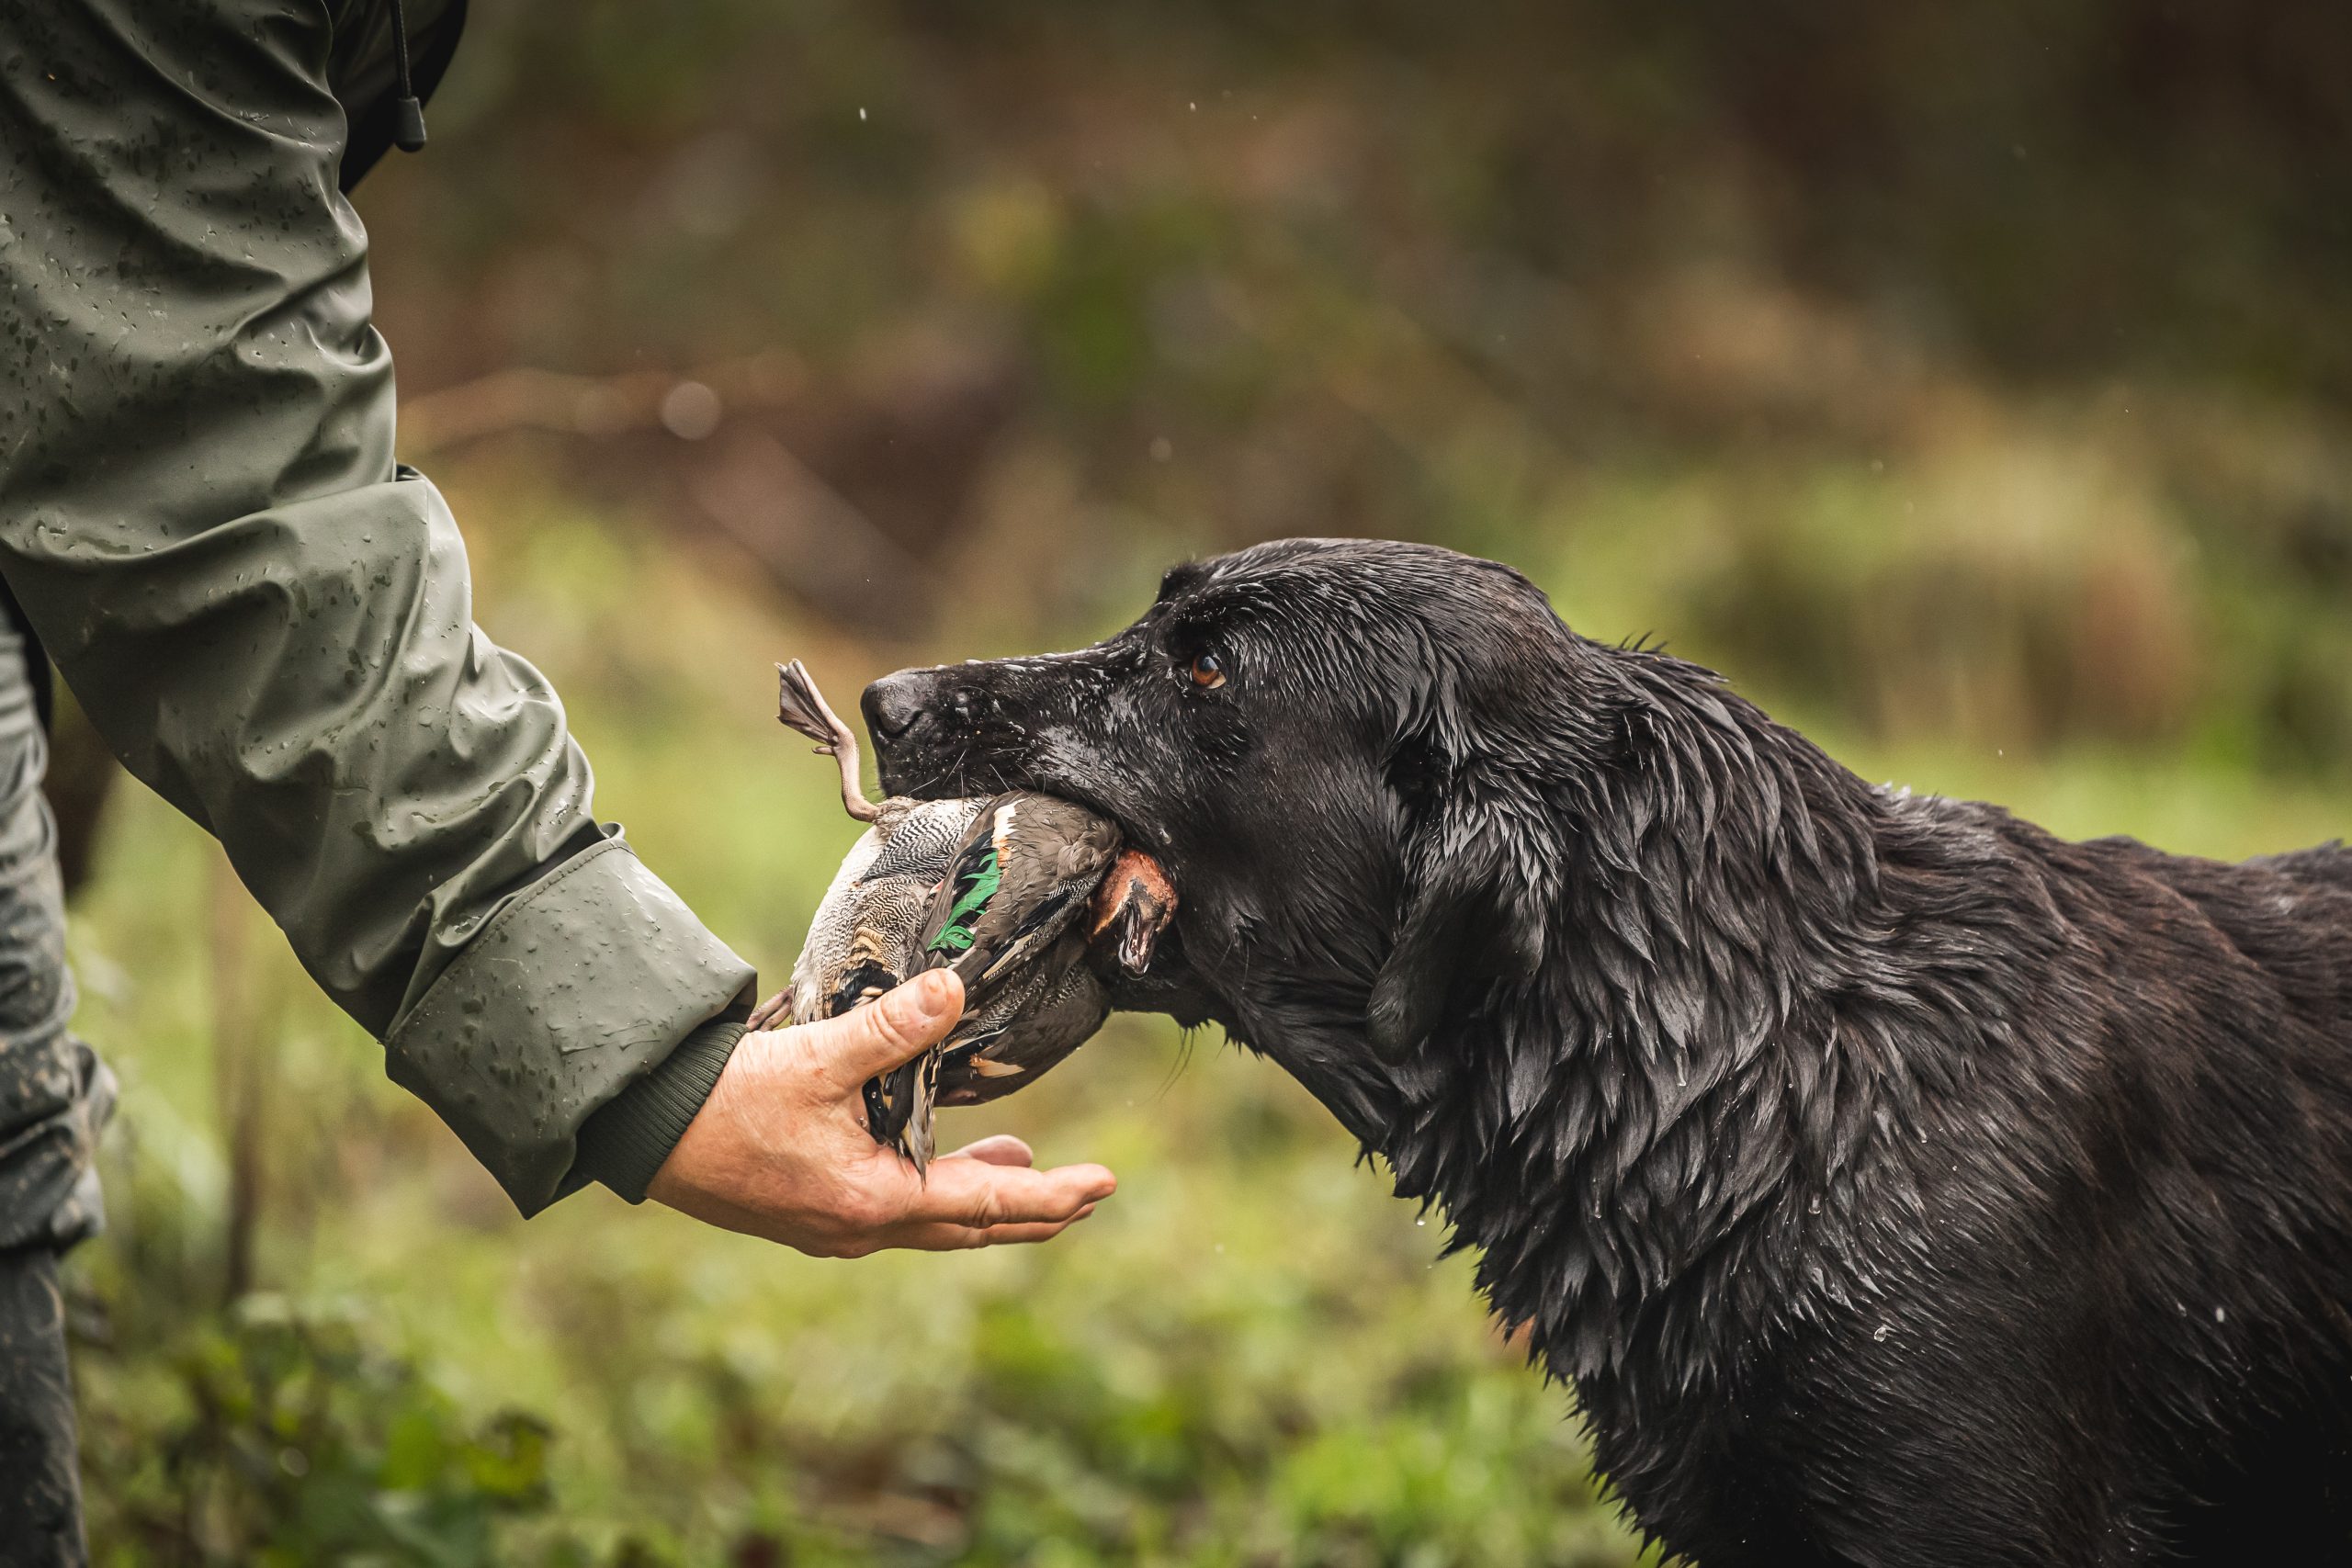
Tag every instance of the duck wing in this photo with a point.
(1021, 876)
(1040, 1015)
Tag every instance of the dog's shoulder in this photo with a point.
(2327, 866)
(2303, 893)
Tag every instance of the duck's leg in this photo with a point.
(803, 707)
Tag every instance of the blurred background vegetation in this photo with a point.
(1969, 383)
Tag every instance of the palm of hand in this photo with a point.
(781, 1149)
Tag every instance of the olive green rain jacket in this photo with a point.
(270, 621)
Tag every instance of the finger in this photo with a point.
(1001, 1148)
(898, 1026)
(940, 1236)
(770, 1011)
(968, 1192)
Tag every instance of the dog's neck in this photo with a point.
(1651, 1142)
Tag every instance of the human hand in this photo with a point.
(780, 1149)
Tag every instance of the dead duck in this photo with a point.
(1020, 893)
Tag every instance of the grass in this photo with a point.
(1250, 1356)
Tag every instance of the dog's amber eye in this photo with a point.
(1208, 671)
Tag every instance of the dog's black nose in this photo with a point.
(894, 703)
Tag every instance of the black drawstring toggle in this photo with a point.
(408, 125)
(408, 112)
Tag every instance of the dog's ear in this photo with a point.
(1476, 899)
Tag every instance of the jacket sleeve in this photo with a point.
(272, 625)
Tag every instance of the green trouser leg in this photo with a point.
(40, 1491)
(54, 1098)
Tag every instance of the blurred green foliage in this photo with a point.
(1967, 382)
(284, 1441)
(1957, 366)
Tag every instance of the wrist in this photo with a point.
(628, 1139)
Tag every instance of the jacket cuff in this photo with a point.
(624, 1142)
(580, 986)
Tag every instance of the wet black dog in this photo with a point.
(1897, 1184)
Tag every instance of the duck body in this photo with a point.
(1012, 891)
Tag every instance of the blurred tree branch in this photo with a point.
(525, 399)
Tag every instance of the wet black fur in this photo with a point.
(1897, 1184)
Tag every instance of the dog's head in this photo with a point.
(1338, 750)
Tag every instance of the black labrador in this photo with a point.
(1898, 1183)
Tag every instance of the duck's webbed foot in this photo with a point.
(803, 707)
(769, 1014)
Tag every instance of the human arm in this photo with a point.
(271, 623)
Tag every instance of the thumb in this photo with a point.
(891, 1029)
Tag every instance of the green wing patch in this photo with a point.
(974, 885)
